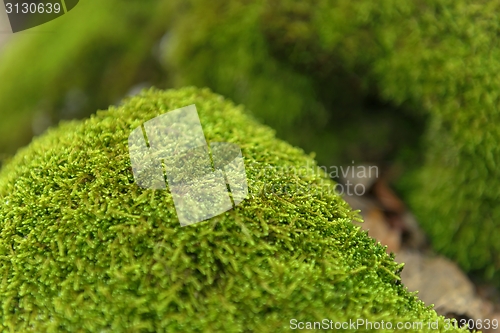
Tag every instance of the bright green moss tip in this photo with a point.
(83, 249)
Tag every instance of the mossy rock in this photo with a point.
(84, 249)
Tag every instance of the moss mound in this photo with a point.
(83, 249)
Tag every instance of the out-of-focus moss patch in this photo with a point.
(72, 66)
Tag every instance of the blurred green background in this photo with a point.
(412, 85)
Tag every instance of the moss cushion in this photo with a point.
(84, 249)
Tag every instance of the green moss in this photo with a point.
(83, 249)
(275, 59)
(455, 79)
(70, 67)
